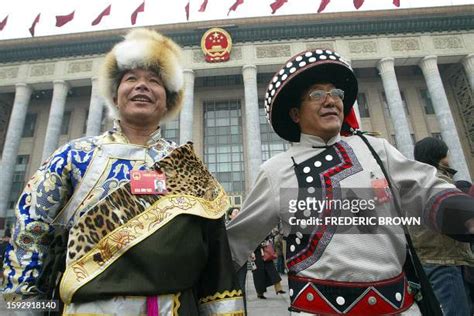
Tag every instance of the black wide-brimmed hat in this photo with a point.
(296, 76)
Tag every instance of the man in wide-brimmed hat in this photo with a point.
(142, 217)
(330, 191)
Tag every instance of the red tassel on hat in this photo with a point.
(351, 120)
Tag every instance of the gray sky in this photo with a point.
(21, 13)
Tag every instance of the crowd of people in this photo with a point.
(86, 227)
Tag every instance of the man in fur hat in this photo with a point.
(130, 249)
(334, 267)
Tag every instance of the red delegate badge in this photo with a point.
(381, 190)
(148, 182)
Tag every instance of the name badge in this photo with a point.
(381, 190)
(148, 182)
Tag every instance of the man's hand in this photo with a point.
(470, 225)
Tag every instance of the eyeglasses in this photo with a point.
(321, 95)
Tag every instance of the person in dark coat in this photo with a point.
(265, 274)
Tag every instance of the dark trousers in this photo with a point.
(242, 276)
(281, 265)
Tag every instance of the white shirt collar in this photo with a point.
(154, 137)
(312, 140)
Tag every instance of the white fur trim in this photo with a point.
(131, 54)
(176, 82)
(134, 53)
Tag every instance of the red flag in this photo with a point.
(141, 8)
(203, 6)
(323, 5)
(101, 15)
(396, 3)
(277, 5)
(63, 19)
(358, 3)
(186, 9)
(3, 23)
(32, 28)
(235, 5)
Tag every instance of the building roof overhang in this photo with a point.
(248, 30)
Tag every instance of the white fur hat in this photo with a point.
(147, 49)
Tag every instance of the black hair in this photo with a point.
(430, 150)
(463, 185)
(229, 211)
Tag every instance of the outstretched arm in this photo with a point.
(259, 215)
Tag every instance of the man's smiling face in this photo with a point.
(141, 97)
(321, 118)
